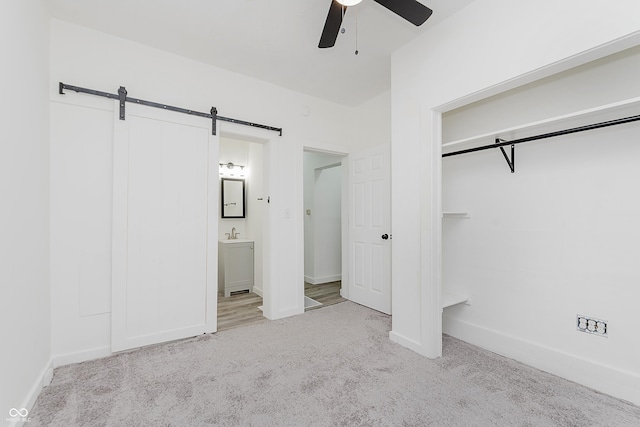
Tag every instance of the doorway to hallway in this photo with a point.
(322, 197)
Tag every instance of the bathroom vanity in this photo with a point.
(235, 265)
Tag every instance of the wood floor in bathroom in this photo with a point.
(242, 309)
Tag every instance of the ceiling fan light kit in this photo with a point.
(410, 10)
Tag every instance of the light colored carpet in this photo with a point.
(330, 367)
(309, 303)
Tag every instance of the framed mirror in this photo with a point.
(232, 198)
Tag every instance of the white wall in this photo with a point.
(95, 60)
(463, 59)
(328, 224)
(24, 216)
(323, 227)
(256, 202)
(309, 229)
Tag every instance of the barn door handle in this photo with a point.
(385, 236)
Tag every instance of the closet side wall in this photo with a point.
(556, 239)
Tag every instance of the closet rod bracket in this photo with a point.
(510, 161)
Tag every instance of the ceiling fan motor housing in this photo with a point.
(410, 10)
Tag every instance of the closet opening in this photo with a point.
(533, 250)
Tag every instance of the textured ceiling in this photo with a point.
(272, 40)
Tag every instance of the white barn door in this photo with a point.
(165, 207)
(370, 228)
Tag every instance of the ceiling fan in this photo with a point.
(411, 10)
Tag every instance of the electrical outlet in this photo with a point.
(593, 326)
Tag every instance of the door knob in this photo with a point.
(385, 236)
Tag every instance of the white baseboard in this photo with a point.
(406, 342)
(257, 291)
(46, 375)
(43, 380)
(606, 379)
(324, 279)
(82, 356)
(285, 313)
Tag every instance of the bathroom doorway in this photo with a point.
(240, 266)
(323, 214)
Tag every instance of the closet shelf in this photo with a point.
(456, 215)
(616, 108)
(449, 299)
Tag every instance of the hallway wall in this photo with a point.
(323, 223)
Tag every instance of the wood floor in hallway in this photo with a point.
(242, 309)
(326, 294)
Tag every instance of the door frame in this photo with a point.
(344, 213)
(271, 165)
(344, 207)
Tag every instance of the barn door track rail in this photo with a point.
(122, 98)
(501, 143)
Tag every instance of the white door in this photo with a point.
(165, 206)
(370, 228)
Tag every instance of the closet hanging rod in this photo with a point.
(122, 96)
(547, 135)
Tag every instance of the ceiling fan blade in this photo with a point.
(411, 10)
(332, 25)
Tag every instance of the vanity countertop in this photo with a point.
(235, 241)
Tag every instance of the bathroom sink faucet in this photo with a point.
(234, 235)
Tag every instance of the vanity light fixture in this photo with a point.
(230, 169)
